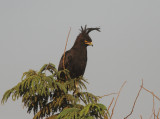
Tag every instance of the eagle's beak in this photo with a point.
(89, 43)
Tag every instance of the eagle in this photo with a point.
(75, 59)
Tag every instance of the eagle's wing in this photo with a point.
(67, 61)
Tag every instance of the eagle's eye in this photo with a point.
(88, 42)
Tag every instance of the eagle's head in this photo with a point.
(83, 38)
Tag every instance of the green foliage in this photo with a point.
(90, 111)
(55, 95)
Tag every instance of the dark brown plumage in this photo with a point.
(76, 58)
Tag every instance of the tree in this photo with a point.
(55, 97)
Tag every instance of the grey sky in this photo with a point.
(33, 33)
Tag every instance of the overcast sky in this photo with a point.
(33, 33)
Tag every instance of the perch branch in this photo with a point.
(66, 47)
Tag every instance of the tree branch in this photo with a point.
(117, 99)
(135, 101)
(65, 47)
(106, 95)
(151, 93)
(111, 103)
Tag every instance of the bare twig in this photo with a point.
(65, 47)
(151, 116)
(106, 95)
(158, 113)
(156, 116)
(117, 99)
(111, 103)
(151, 93)
(153, 109)
(135, 101)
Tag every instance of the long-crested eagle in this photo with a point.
(76, 58)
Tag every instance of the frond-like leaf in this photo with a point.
(69, 113)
